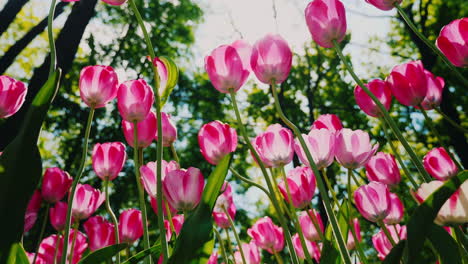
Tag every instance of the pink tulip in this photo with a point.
(435, 87)
(383, 168)
(86, 201)
(134, 100)
(32, 209)
(226, 68)
(373, 201)
(321, 145)
(301, 182)
(100, 232)
(408, 83)
(148, 174)
(351, 243)
(328, 121)
(224, 202)
(29, 221)
(312, 248)
(353, 148)
(12, 95)
(39, 260)
(439, 164)
(396, 211)
(47, 247)
(115, 2)
(108, 159)
(216, 140)
(154, 205)
(271, 59)
(183, 188)
(308, 227)
(251, 254)
(130, 226)
(326, 20)
(162, 73)
(275, 146)
(169, 130)
(146, 130)
(267, 235)
(178, 222)
(58, 215)
(381, 90)
(381, 242)
(213, 259)
(98, 85)
(453, 42)
(244, 50)
(55, 184)
(384, 4)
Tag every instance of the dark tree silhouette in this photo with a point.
(9, 12)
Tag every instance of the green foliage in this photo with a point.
(17, 255)
(140, 256)
(103, 254)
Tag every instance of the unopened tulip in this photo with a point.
(178, 222)
(271, 59)
(169, 133)
(146, 130)
(130, 226)
(384, 4)
(267, 235)
(251, 254)
(162, 73)
(55, 184)
(373, 201)
(308, 227)
(381, 242)
(435, 87)
(183, 188)
(353, 148)
(351, 243)
(108, 159)
(53, 244)
(213, 259)
(32, 209)
(321, 145)
(58, 215)
(439, 164)
(98, 85)
(301, 183)
(100, 232)
(381, 90)
(328, 121)
(86, 201)
(12, 96)
(453, 42)
(408, 83)
(275, 146)
(224, 202)
(148, 174)
(134, 100)
(383, 168)
(396, 211)
(226, 68)
(312, 248)
(29, 220)
(326, 20)
(216, 140)
(244, 50)
(115, 2)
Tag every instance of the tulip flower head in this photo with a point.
(435, 87)
(86, 201)
(47, 248)
(384, 5)
(146, 129)
(130, 226)
(381, 90)
(114, 2)
(32, 209)
(251, 253)
(169, 132)
(98, 85)
(134, 100)
(396, 211)
(351, 243)
(312, 248)
(100, 232)
(108, 159)
(453, 42)
(183, 188)
(216, 140)
(383, 168)
(381, 242)
(58, 215)
(178, 222)
(224, 202)
(267, 235)
(373, 201)
(308, 227)
(353, 148)
(408, 83)
(12, 95)
(326, 20)
(328, 121)
(321, 144)
(275, 146)
(213, 259)
(439, 164)
(148, 174)
(55, 184)
(154, 205)
(301, 183)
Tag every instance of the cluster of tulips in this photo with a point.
(175, 192)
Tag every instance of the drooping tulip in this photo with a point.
(351, 243)
(267, 235)
(183, 188)
(169, 132)
(396, 211)
(271, 59)
(321, 144)
(439, 164)
(384, 5)
(224, 202)
(178, 222)
(381, 90)
(353, 148)
(86, 201)
(326, 20)
(48, 246)
(216, 140)
(453, 42)
(58, 215)
(55, 184)
(100, 232)
(12, 95)
(146, 130)
(308, 227)
(381, 242)
(408, 83)
(134, 100)
(275, 146)
(114, 2)
(251, 254)
(32, 209)
(148, 174)
(130, 226)
(373, 201)
(328, 121)
(435, 87)
(383, 168)
(301, 183)
(108, 159)
(312, 248)
(98, 85)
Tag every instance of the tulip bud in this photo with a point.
(224, 202)
(58, 215)
(328, 121)
(396, 211)
(435, 87)
(216, 140)
(178, 222)
(381, 90)
(146, 130)
(312, 248)
(55, 184)
(98, 85)
(383, 168)
(384, 5)
(275, 146)
(308, 227)
(353, 148)
(351, 243)
(108, 160)
(326, 20)
(373, 201)
(183, 188)
(301, 183)
(439, 164)
(381, 242)
(53, 246)
(32, 209)
(408, 83)
(134, 100)
(130, 226)
(12, 95)
(213, 259)
(148, 174)
(100, 232)
(321, 145)
(114, 2)
(453, 42)
(267, 235)
(86, 201)
(169, 130)
(251, 254)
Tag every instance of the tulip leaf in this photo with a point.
(21, 167)
(424, 215)
(172, 78)
(342, 222)
(138, 257)
(444, 245)
(103, 254)
(195, 242)
(329, 254)
(17, 255)
(395, 255)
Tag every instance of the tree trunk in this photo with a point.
(9, 12)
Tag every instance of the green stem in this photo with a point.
(239, 244)
(71, 194)
(41, 234)
(273, 197)
(416, 161)
(322, 190)
(169, 218)
(56, 248)
(113, 218)
(221, 246)
(75, 234)
(127, 252)
(361, 255)
(174, 153)
(237, 175)
(429, 43)
(229, 244)
(330, 188)
(50, 34)
(278, 258)
(451, 121)
(386, 232)
(461, 240)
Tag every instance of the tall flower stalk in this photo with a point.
(50, 35)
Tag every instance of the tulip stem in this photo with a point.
(71, 194)
(416, 161)
(112, 216)
(75, 234)
(322, 190)
(56, 248)
(239, 244)
(50, 34)
(386, 232)
(229, 244)
(461, 240)
(315, 222)
(278, 257)
(451, 121)
(360, 252)
(267, 179)
(169, 218)
(41, 234)
(127, 252)
(428, 43)
(221, 246)
(237, 175)
(332, 191)
(174, 153)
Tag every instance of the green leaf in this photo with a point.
(172, 78)
(103, 254)
(137, 258)
(423, 217)
(196, 237)
(21, 167)
(17, 255)
(395, 255)
(330, 255)
(342, 222)
(444, 245)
